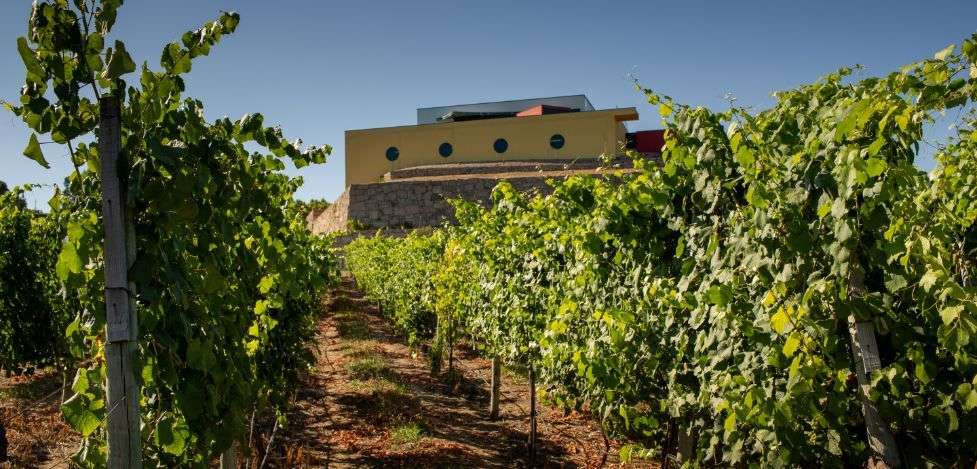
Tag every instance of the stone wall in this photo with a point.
(501, 167)
(334, 217)
(413, 204)
(417, 197)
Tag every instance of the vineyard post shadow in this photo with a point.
(122, 390)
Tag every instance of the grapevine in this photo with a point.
(708, 298)
(227, 275)
(31, 302)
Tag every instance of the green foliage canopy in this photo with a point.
(227, 274)
(32, 303)
(714, 291)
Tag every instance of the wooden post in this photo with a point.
(122, 390)
(532, 417)
(451, 346)
(685, 445)
(866, 352)
(494, 398)
(229, 458)
(3, 432)
(664, 460)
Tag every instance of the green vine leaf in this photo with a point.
(944, 53)
(790, 346)
(79, 416)
(33, 151)
(779, 321)
(119, 62)
(172, 436)
(29, 58)
(69, 262)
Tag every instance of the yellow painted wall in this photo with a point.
(587, 134)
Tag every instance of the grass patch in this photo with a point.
(370, 366)
(406, 435)
(382, 400)
(344, 315)
(352, 327)
(379, 386)
(344, 302)
(361, 348)
(515, 373)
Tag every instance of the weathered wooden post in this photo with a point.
(3, 432)
(122, 390)
(229, 458)
(866, 352)
(532, 416)
(685, 446)
(496, 388)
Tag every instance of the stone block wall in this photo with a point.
(411, 204)
(417, 197)
(455, 169)
(333, 218)
(414, 204)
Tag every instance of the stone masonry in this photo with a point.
(417, 197)
(410, 204)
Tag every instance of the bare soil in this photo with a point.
(36, 435)
(369, 401)
(342, 420)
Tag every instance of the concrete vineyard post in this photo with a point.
(122, 390)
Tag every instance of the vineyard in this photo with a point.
(782, 287)
(710, 307)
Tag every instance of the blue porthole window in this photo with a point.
(392, 153)
(557, 141)
(445, 150)
(500, 145)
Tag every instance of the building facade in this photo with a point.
(400, 176)
(481, 133)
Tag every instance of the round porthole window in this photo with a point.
(445, 150)
(557, 141)
(500, 145)
(392, 153)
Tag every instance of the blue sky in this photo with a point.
(319, 68)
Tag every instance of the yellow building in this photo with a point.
(400, 177)
(559, 128)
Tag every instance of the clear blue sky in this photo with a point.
(319, 68)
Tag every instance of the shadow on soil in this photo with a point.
(451, 409)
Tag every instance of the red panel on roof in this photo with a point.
(649, 141)
(542, 109)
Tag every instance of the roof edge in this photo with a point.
(581, 95)
(625, 113)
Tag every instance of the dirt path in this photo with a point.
(369, 401)
(35, 433)
(372, 402)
